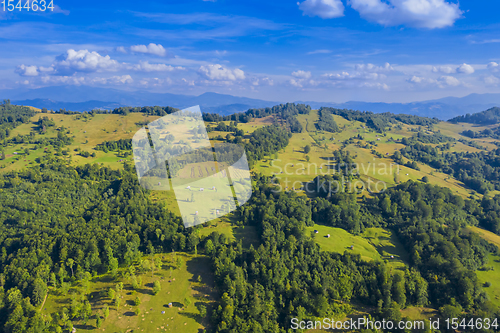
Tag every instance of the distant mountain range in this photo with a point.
(84, 98)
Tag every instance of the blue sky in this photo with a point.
(321, 50)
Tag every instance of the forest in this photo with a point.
(479, 171)
(488, 117)
(11, 116)
(286, 112)
(381, 121)
(261, 293)
(326, 122)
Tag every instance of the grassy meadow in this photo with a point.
(373, 244)
(192, 282)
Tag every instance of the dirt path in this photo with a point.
(43, 303)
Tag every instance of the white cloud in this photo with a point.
(59, 10)
(449, 81)
(371, 68)
(123, 79)
(86, 80)
(465, 69)
(152, 48)
(363, 76)
(145, 66)
(447, 69)
(219, 73)
(325, 9)
(268, 81)
(83, 61)
(295, 83)
(444, 69)
(354, 76)
(27, 70)
(442, 82)
(429, 14)
(491, 80)
(493, 67)
(121, 49)
(301, 74)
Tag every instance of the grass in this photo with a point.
(373, 244)
(227, 225)
(488, 235)
(492, 276)
(90, 131)
(179, 318)
(418, 313)
(292, 169)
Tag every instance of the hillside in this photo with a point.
(398, 209)
(488, 117)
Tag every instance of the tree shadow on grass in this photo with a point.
(247, 234)
(192, 315)
(198, 266)
(174, 305)
(84, 327)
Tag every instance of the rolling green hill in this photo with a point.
(360, 151)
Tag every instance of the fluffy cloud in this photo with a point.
(429, 14)
(493, 67)
(79, 80)
(71, 62)
(449, 80)
(302, 74)
(27, 70)
(442, 82)
(121, 49)
(364, 75)
(268, 81)
(325, 9)
(83, 61)
(344, 76)
(444, 69)
(152, 48)
(219, 73)
(420, 80)
(145, 66)
(371, 68)
(465, 69)
(491, 80)
(295, 83)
